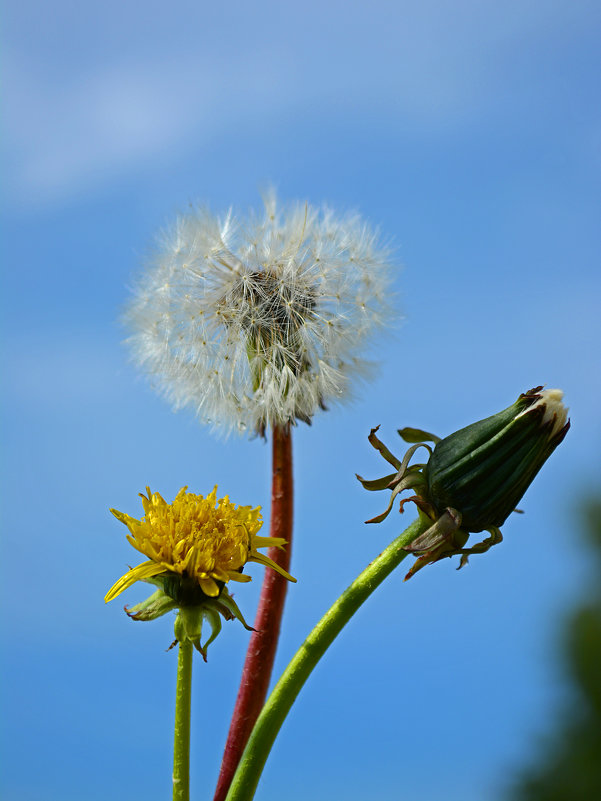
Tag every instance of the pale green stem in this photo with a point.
(181, 740)
(306, 658)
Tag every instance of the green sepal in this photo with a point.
(444, 538)
(226, 600)
(410, 480)
(184, 590)
(375, 483)
(188, 626)
(407, 477)
(157, 605)
(214, 621)
(190, 620)
(379, 446)
(417, 435)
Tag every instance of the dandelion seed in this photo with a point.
(259, 323)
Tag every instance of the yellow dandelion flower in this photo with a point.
(204, 540)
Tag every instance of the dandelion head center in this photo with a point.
(265, 305)
(260, 321)
(198, 536)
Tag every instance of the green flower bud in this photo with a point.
(474, 478)
(483, 470)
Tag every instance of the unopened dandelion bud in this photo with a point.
(483, 470)
(475, 477)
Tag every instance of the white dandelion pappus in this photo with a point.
(257, 324)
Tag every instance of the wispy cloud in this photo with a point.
(185, 76)
(64, 136)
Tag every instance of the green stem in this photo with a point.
(306, 658)
(181, 740)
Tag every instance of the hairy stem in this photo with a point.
(260, 655)
(181, 740)
(278, 705)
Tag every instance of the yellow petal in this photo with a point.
(139, 573)
(265, 560)
(209, 587)
(130, 522)
(144, 547)
(220, 575)
(268, 542)
(241, 577)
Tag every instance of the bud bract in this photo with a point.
(483, 470)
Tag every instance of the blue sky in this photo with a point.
(469, 132)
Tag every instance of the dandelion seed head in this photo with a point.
(260, 322)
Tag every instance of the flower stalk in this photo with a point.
(181, 740)
(284, 694)
(260, 655)
(195, 545)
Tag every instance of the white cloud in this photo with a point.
(63, 136)
(177, 78)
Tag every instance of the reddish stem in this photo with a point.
(263, 643)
